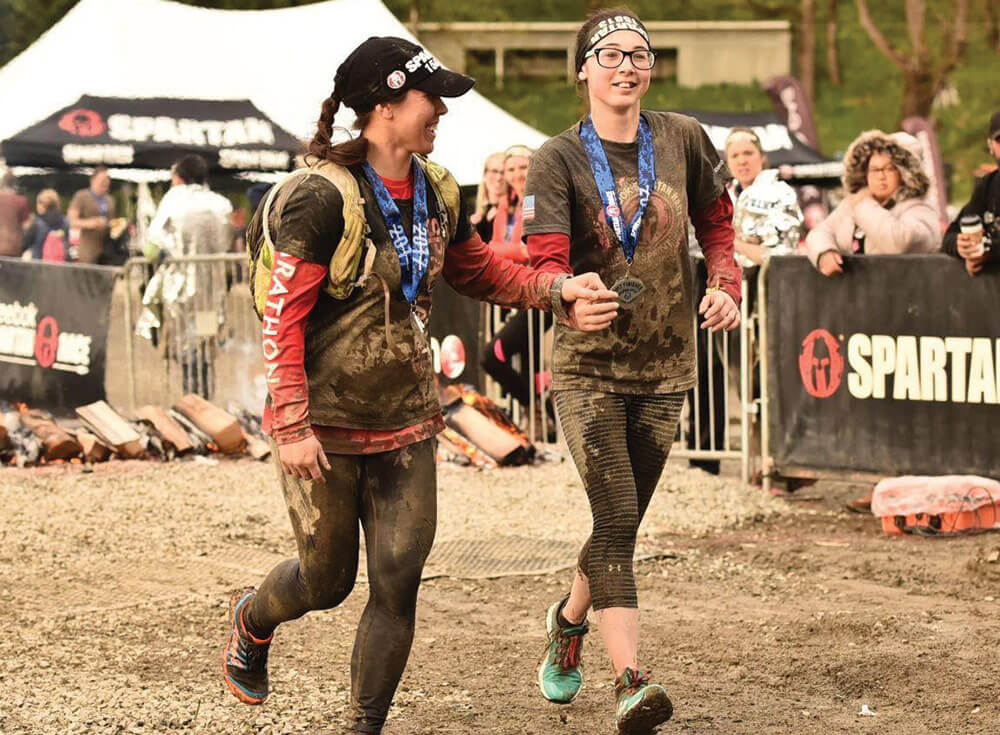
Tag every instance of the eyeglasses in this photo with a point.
(887, 170)
(611, 58)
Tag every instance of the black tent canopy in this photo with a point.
(782, 147)
(232, 135)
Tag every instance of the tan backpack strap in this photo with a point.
(271, 196)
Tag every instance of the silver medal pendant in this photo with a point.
(418, 323)
(628, 288)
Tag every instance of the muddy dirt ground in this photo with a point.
(774, 617)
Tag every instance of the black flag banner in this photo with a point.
(232, 135)
(892, 368)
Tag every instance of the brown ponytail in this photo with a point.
(348, 153)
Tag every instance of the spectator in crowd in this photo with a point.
(979, 249)
(191, 219)
(491, 190)
(49, 220)
(767, 220)
(745, 158)
(886, 211)
(506, 239)
(14, 215)
(512, 340)
(90, 213)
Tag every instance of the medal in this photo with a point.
(418, 323)
(628, 287)
(412, 248)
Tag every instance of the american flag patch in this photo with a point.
(528, 210)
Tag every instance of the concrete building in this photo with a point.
(698, 52)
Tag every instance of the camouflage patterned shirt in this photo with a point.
(649, 347)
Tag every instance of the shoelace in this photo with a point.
(568, 650)
(631, 681)
(251, 655)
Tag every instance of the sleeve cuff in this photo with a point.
(291, 434)
(555, 295)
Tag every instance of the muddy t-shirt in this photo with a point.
(359, 377)
(649, 347)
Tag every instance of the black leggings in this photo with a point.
(513, 340)
(394, 495)
(619, 444)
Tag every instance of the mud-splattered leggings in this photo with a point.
(620, 444)
(394, 496)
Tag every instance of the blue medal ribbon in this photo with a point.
(628, 236)
(412, 248)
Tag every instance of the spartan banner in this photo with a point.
(892, 368)
(53, 333)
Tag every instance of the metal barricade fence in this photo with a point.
(198, 332)
(731, 375)
(207, 341)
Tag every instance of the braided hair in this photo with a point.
(322, 147)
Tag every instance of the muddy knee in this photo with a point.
(327, 586)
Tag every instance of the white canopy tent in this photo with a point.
(282, 60)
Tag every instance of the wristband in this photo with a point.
(555, 294)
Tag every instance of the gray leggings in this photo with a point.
(394, 496)
(619, 444)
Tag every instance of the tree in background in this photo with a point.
(802, 15)
(924, 73)
(992, 25)
(832, 49)
(23, 21)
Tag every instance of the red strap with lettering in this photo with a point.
(295, 286)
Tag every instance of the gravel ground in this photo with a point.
(762, 616)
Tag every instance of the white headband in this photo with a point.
(617, 23)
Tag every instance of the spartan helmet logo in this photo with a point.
(82, 122)
(47, 341)
(820, 364)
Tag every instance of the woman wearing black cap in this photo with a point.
(614, 194)
(352, 407)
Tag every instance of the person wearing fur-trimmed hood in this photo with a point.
(886, 211)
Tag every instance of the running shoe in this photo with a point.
(560, 674)
(244, 665)
(642, 707)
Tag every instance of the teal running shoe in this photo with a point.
(642, 707)
(560, 674)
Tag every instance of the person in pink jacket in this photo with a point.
(886, 211)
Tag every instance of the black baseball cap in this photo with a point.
(383, 67)
(995, 124)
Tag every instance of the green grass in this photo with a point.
(870, 96)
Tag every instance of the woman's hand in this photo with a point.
(592, 305)
(860, 195)
(303, 458)
(974, 265)
(720, 311)
(830, 263)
